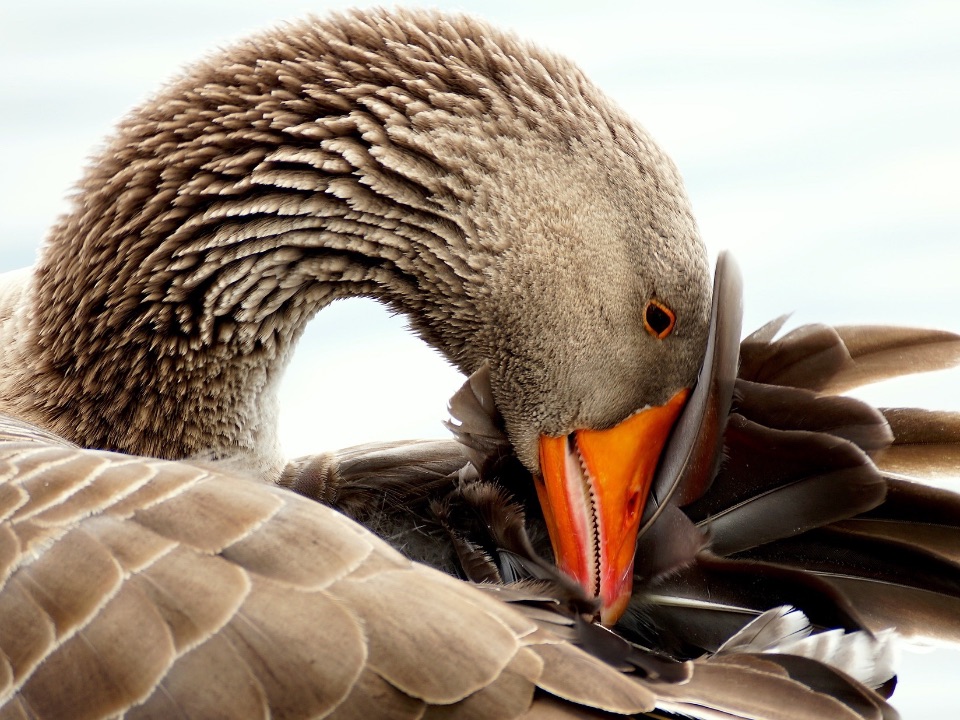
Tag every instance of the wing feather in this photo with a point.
(833, 360)
(134, 596)
(926, 444)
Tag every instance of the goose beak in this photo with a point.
(593, 489)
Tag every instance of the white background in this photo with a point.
(818, 140)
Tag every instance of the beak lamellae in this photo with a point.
(593, 491)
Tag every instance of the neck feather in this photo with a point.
(210, 231)
(403, 156)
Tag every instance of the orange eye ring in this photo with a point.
(658, 319)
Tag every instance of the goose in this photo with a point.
(458, 175)
(343, 159)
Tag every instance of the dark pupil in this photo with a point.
(657, 319)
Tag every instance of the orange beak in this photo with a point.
(593, 490)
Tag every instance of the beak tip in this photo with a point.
(593, 492)
(611, 612)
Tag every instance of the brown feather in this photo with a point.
(834, 552)
(508, 696)
(834, 683)
(833, 360)
(915, 613)
(580, 680)
(231, 688)
(371, 696)
(775, 482)
(926, 444)
(882, 352)
(747, 693)
(803, 358)
(785, 408)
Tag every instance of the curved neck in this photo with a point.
(436, 166)
(207, 235)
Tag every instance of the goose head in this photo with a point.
(598, 322)
(476, 183)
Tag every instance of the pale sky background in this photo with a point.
(819, 141)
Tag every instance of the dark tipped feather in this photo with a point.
(787, 408)
(359, 478)
(804, 358)
(698, 608)
(671, 544)
(778, 483)
(764, 585)
(476, 564)
(914, 502)
(683, 627)
(834, 683)
(837, 552)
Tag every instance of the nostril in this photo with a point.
(633, 505)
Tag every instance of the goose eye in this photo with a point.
(658, 319)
